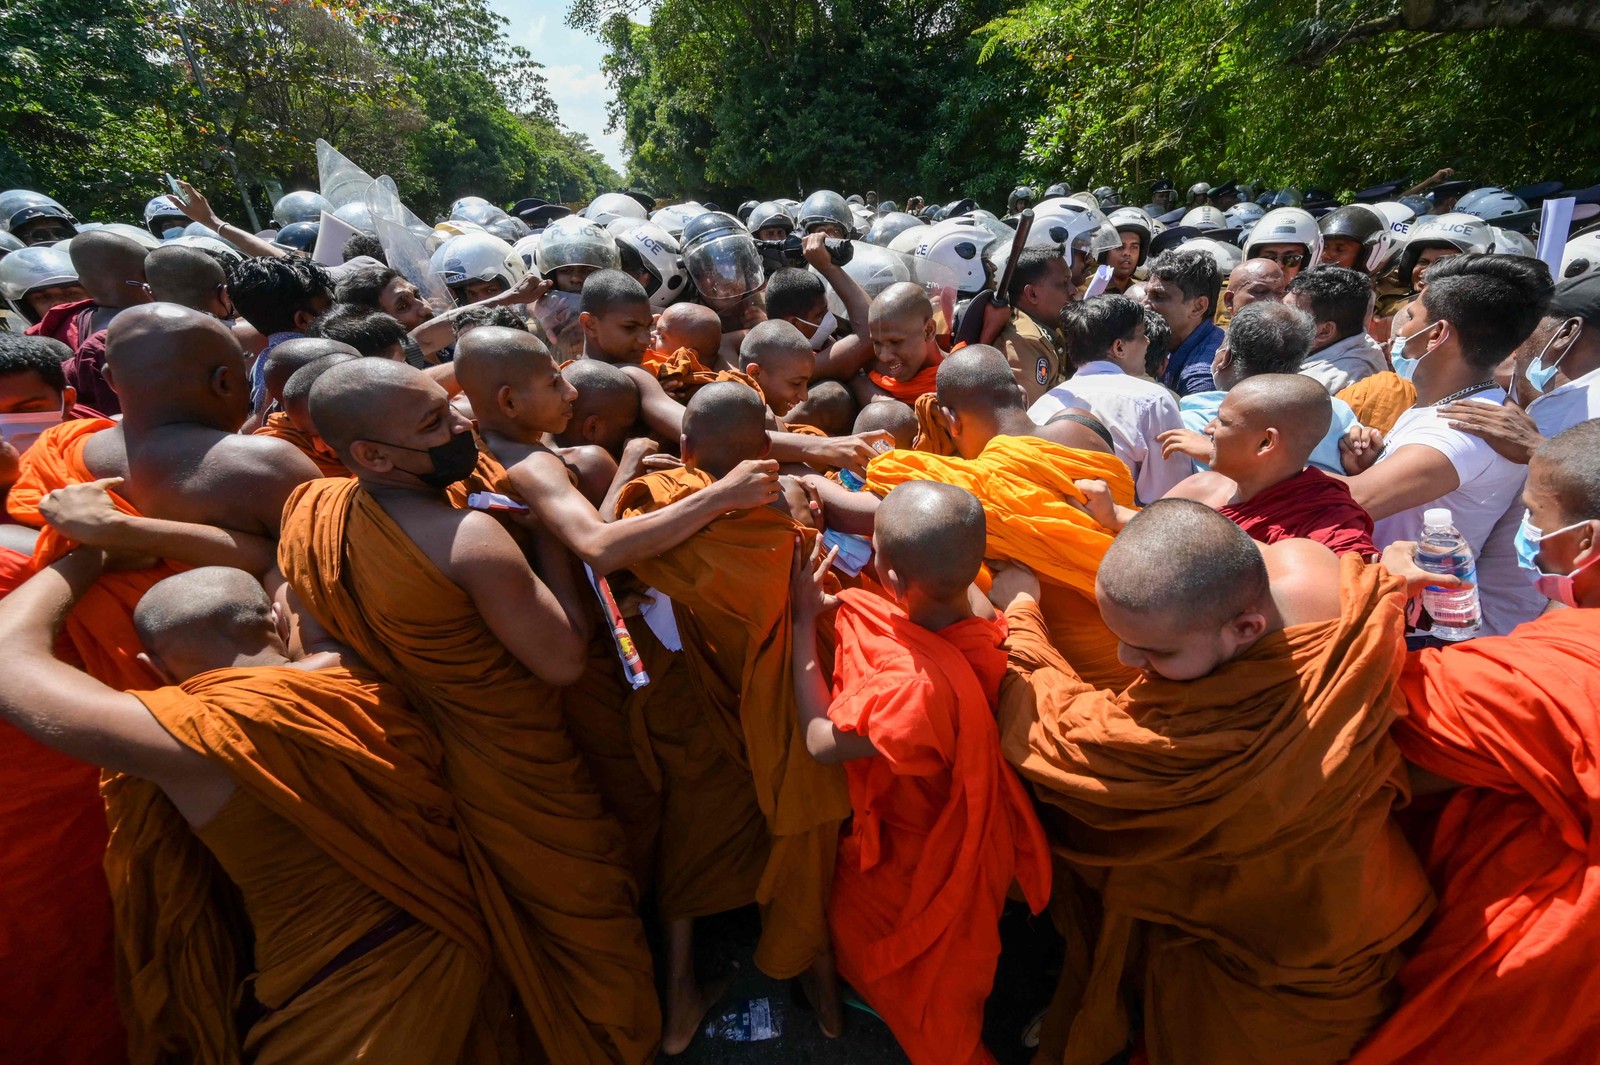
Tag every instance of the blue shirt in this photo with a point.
(1198, 409)
(1189, 367)
(258, 369)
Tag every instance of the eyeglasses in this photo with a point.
(1291, 259)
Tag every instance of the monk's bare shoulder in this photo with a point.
(106, 453)
(1208, 487)
(1305, 580)
(451, 538)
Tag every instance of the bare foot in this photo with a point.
(687, 1005)
(821, 986)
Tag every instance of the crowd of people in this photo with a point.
(414, 630)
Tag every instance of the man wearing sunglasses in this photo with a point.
(1287, 236)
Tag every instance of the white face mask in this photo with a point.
(21, 430)
(824, 331)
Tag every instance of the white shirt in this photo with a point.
(1562, 408)
(1344, 362)
(1135, 410)
(1489, 487)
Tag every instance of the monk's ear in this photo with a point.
(69, 396)
(505, 400)
(105, 371)
(1270, 439)
(766, 445)
(686, 452)
(1247, 628)
(928, 331)
(589, 428)
(952, 421)
(221, 381)
(370, 456)
(587, 322)
(157, 670)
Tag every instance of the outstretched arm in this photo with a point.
(438, 333)
(85, 514)
(826, 742)
(198, 209)
(843, 358)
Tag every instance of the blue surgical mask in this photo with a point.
(1556, 586)
(1397, 354)
(1537, 373)
(172, 233)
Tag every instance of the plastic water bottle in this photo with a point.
(1443, 549)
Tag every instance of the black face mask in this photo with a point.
(452, 461)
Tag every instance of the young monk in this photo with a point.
(779, 359)
(1261, 443)
(519, 396)
(892, 417)
(605, 409)
(692, 326)
(314, 793)
(905, 348)
(443, 603)
(941, 827)
(729, 585)
(293, 423)
(1506, 971)
(1231, 808)
(829, 408)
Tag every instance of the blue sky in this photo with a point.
(571, 66)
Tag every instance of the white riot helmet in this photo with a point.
(33, 268)
(674, 217)
(1287, 225)
(1580, 258)
(610, 205)
(1085, 230)
(1227, 256)
(575, 241)
(1510, 242)
(9, 244)
(215, 245)
(1492, 204)
(1243, 215)
(889, 226)
(1464, 232)
(659, 254)
(162, 218)
(138, 234)
(458, 208)
(527, 250)
(826, 208)
(300, 206)
(1134, 220)
(477, 257)
(1204, 218)
(1365, 225)
(721, 257)
(770, 214)
(905, 242)
(357, 215)
(509, 229)
(485, 214)
(990, 221)
(1398, 215)
(958, 244)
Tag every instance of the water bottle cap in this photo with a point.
(1437, 518)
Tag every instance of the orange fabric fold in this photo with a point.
(684, 369)
(338, 794)
(1027, 490)
(280, 426)
(941, 826)
(924, 382)
(58, 1003)
(1506, 971)
(933, 434)
(729, 584)
(1237, 828)
(1380, 399)
(550, 865)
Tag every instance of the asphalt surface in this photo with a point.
(1023, 984)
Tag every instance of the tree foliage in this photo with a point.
(965, 97)
(99, 98)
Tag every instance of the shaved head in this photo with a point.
(829, 406)
(491, 356)
(1569, 465)
(690, 325)
(603, 392)
(1254, 270)
(204, 619)
(1297, 406)
(724, 424)
(180, 274)
(892, 416)
(979, 377)
(368, 399)
(283, 360)
(297, 389)
(902, 300)
(169, 362)
(106, 262)
(772, 343)
(1178, 556)
(932, 536)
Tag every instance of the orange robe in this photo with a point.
(1026, 487)
(684, 369)
(550, 864)
(1237, 831)
(279, 425)
(933, 434)
(941, 828)
(58, 1004)
(1380, 399)
(924, 382)
(1507, 970)
(366, 940)
(729, 584)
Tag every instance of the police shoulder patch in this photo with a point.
(1042, 370)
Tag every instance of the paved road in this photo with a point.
(1022, 988)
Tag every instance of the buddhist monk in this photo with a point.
(1506, 970)
(293, 423)
(1260, 478)
(443, 604)
(1230, 809)
(729, 586)
(829, 407)
(941, 826)
(691, 326)
(519, 396)
(905, 346)
(890, 416)
(779, 359)
(316, 796)
(605, 409)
